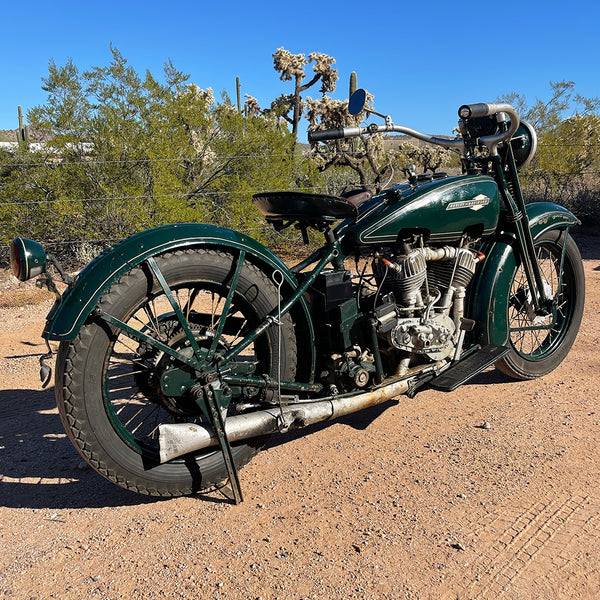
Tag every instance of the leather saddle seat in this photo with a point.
(309, 208)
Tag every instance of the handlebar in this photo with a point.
(466, 111)
(350, 132)
(333, 134)
(482, 109)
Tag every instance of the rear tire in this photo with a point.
(536, 352)
(106, 389)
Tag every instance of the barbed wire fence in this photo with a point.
(97, 244)
(204, 196)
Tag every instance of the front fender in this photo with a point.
(488, 305)
(68, 315)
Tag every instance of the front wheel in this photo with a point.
(540, 343)
(113, 391)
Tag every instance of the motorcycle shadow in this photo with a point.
(489, 377)
(589, 244)
(359, 420)
(39, 468)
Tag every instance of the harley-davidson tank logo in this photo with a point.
(476, 203)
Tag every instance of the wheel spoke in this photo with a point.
(227, 304)
(531, 335)
(163, 326)
(151, 319)
(175, 305)
(134, 430)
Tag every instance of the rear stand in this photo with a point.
(210, 394)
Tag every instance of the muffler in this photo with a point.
(177, 439)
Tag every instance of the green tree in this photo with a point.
(124, 152)
(546, 114)
(566, 168)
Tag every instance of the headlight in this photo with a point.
(524, 144)
(27, 258)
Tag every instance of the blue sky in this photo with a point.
(420, 60)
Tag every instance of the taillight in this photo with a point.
(27, 258)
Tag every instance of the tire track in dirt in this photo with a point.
(535, 549)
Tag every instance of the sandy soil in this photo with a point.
(413, 499)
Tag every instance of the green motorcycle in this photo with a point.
(183, 348)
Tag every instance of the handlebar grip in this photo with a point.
(481, 109)
(326, 134)
(484, 109)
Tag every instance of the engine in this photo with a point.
(422, 300)
(413, 304)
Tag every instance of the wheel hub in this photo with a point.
(534, 317)
(162, 378)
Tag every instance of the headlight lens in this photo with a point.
(27, 258)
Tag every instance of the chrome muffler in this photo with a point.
(177, 439)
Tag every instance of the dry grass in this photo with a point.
(24, 297)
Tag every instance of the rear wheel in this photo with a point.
(114, 391)
(540, 343)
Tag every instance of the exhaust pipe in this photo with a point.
(176, 439)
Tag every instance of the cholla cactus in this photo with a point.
(365, 156)
(200, 142)
(429, 157)
(251, 106)
(324, 70)
(289, 65)
(291, 68)
(197, 94)
(282, 104)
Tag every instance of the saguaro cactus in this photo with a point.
(23, 132)
(353, 84)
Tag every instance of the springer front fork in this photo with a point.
(517, 215)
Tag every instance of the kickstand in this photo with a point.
(209, 394)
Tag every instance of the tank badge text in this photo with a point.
(476, 203)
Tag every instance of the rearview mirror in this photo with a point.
(357, 101)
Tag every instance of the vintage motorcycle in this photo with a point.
(183, 348)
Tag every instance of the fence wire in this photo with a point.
(54, 162)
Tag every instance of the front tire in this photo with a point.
(539, 344)
(108, 387)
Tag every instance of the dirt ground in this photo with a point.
(413, 499)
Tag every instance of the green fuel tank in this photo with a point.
(442, 209)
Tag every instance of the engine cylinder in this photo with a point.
(440, 272)
(404, 277)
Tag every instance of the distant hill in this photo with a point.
(8, 135)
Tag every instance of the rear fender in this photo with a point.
(70, 313)
(489, 301)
